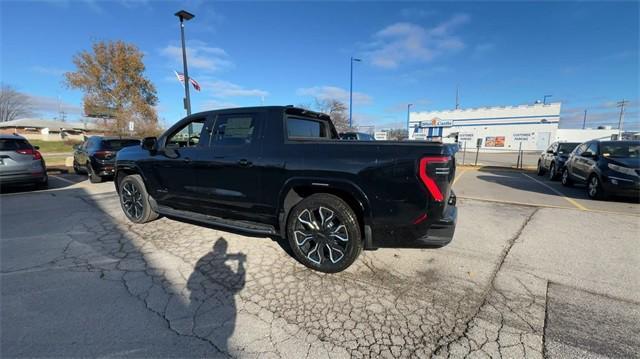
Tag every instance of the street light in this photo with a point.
(184, 15)
(408, 112)
(544, 99)
(351, 90)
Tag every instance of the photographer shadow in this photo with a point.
(213, 285)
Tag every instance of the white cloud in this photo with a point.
(52, 105)
(200, 56)
(332, 92)
(221, 88)
(214, 104)
(409, 42)
(46, 70)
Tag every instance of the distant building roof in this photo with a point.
(50, 124)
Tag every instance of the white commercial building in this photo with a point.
(530, 127)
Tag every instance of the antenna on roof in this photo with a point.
(457, 98)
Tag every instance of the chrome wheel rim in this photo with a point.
(552, 171)
(565, 176)
(593, 187)
(321, 235)
(132, 200)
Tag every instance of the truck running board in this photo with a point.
(242, 226)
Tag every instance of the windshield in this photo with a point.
(566, 147)
(117, 145)
(620, 149)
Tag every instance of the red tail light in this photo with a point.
(429, 182)
(103, 155)
(30, 151)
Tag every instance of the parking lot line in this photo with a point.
(578, 205)
(528, 204)
(458, 176)
(62, 179)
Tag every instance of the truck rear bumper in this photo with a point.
(435, 235)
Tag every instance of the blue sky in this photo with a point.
(249, 53)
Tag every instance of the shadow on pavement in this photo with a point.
(64, 266)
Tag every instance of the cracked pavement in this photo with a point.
(78, 279)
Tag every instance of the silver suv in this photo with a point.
(20, 162)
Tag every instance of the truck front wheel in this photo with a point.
(134, 200)
(324, 233)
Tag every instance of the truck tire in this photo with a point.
(93, 177)
(134, 200)
(324, 233)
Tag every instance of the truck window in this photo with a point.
(186, 136)
(233, 131)
(307, 128)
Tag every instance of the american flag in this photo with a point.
(193, 82)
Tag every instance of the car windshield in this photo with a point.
(620, 149)
(117, 145)
(566, 147)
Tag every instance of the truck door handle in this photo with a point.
(244, 163)
(186, 159)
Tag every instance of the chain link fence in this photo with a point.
(498, 157)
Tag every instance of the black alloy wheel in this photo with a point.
(594, 188)
(552, 172)
(540, 171)
(135, 200)
(566, 180)
(324, 233)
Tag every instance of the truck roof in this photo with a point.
(290, 109)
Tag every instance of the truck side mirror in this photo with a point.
(149, 143)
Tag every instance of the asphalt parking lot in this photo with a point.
(534, 270)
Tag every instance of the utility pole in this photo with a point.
(351, 90)
(584, 120)
(621, 104)
(457, 98)
(408, 119)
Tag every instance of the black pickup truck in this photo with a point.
(282, 171)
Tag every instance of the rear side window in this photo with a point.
(233, 131)
(13, 144)
(117, 145)
(306, 128)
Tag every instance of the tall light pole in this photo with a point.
(544, 99)
(408, 117)
(185, 16)
(351, 90)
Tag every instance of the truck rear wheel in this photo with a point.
(134, 200)
(324, 233)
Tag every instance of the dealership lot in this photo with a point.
(534, 269)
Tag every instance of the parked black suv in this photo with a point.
(607, 167)
(97, 155)
(553, 159)
(282, 171)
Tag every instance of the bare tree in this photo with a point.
(397, 134)
(13, 104)
(337, 111)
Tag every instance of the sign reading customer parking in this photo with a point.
(436, 122)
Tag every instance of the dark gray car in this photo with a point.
(20, 162)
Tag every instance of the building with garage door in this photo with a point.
(531, 127)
